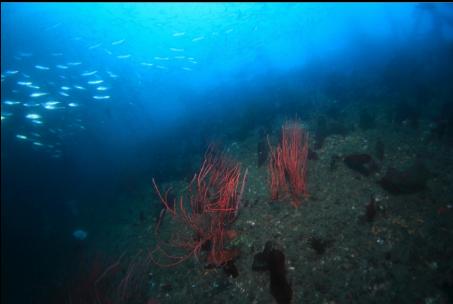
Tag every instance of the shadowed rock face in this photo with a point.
(327, 128)
(319, 245)
(273, 260)
(230, 269)
(362, 163)
(412, 180)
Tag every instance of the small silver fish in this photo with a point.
(95, 81)
(101, 97)
(123, 56)
(112, 75)
(20, 136)
(37, 94)
(118, 42)
(11, 102)
(197, 38)
(33, 116)
(41, 67)
(88, 73)
(94, 46)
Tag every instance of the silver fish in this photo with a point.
(41, 67)
(37, 94)
(118, 42)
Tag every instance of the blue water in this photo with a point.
(96, 99)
